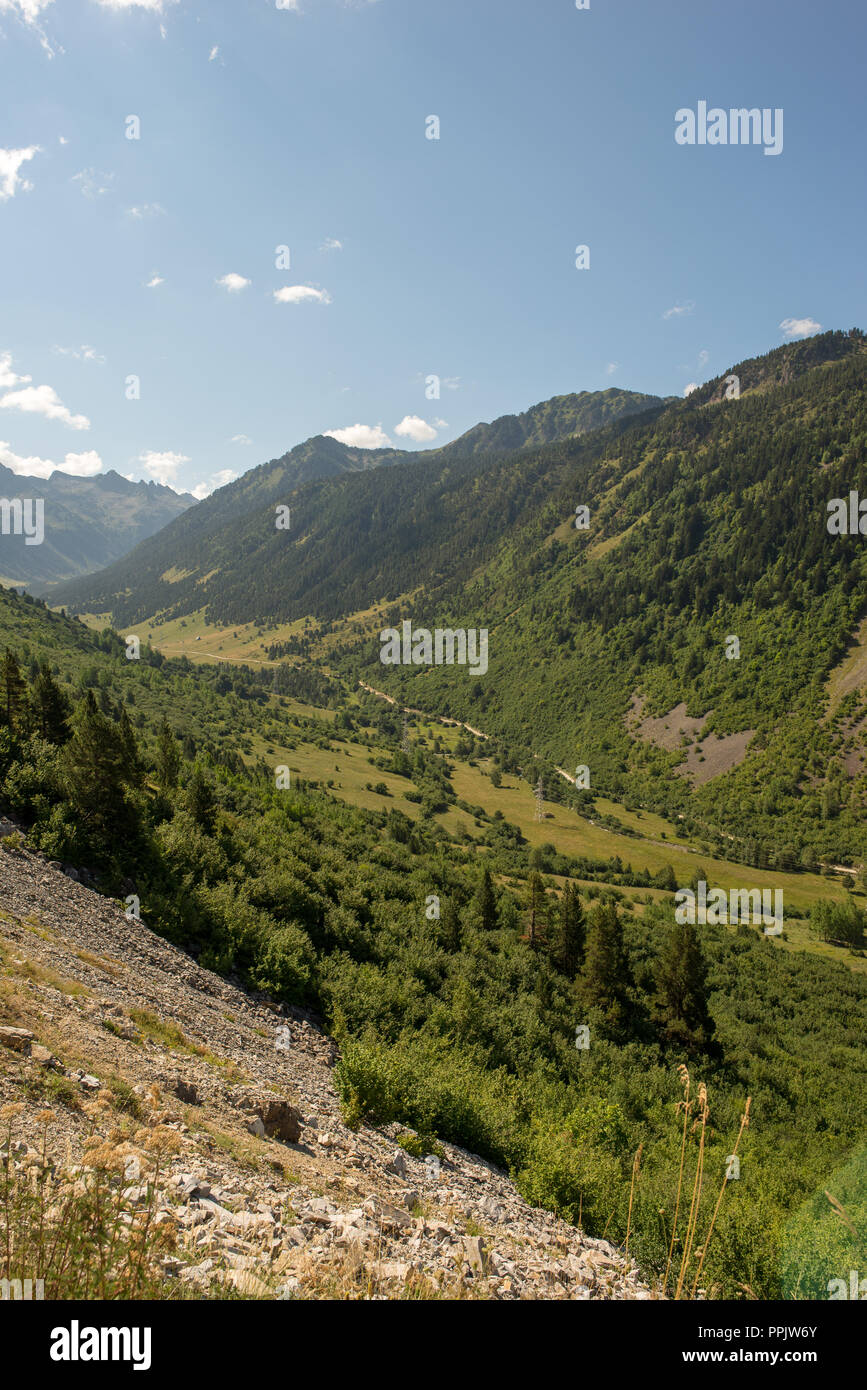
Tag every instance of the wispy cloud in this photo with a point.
(145, 210)
(157, 6)
(361, 436)
(92, 182)
(678, 311)
(11, 181)
(611, 368)
(28, 11)
(240, 439)
(81, 354)
(156, 279)
(301, 294)
(799, 328)
(214, 53)
(331, 244)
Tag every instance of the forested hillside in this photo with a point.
(230, 554)
(459, 1021)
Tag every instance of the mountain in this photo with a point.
(561, 417)
(707, 521)
(88, 523)
(232, 533)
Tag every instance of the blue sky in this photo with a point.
(305, 127)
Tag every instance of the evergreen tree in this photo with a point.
(96, 763)
(606, 978)
(569, 937)
(537, 920)
(201, 803)
(486, 902)
(13, 692)
(681, 982)
(168, 763)
(450, 927)
(51, 707)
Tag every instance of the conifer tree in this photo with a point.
(13, 692)
(681, 982)
(168, 763)
(51, 707)
(606, 977)
(96, 763)
(569, 937)
(537, 920)
(450, 926)
(486, 902)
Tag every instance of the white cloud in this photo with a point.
(703, 357)
(85, 465)
(156, 279)
(361, 436)
(241, 439)
(142, 210)
(81, 354)
(799, 328)
(9, 378)
(233, 283)
(43, 400)
(679, 310)
(451, 383)
(28, 11)
(611, 368)
(220, 479)
(213, 53)
(93, 183)
(162, 466)
(10, 162)
(414, 427)
(692, 386)
(300, 294)
(62, 140)
(331, 244)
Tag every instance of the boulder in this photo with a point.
(18, 1039)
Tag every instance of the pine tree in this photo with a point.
(96, 764)
(51, 707)
(450, 926)
(200, 800)
(606, 978)
(13, 692)
(537, 921)
(486, 902)
(570, 935)
(168, 763)
(681, 982)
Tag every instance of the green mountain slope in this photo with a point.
(231, 536)
(459, 1024)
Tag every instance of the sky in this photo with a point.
(225, 226)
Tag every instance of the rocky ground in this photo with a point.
(270, 1193)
